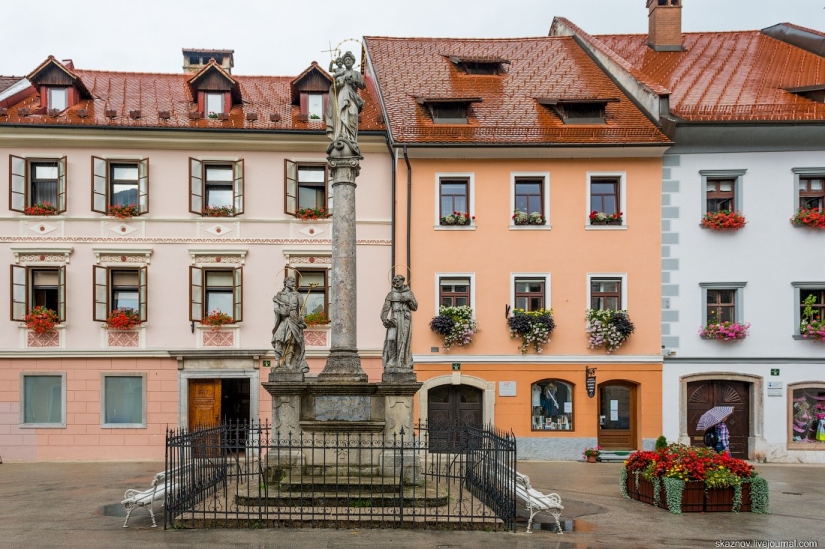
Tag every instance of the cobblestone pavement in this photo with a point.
(77, 505)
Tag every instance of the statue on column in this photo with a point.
(288, 333)
(397, 318)
(343, 107)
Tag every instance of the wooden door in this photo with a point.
(617, 416)
(449, 408)
(704, 395)
(204, 403)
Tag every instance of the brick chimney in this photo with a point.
(664, 25)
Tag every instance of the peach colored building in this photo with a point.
(504, 148)
(173, 195)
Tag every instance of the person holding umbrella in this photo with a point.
(712, 422)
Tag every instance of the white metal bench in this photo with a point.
(133, 499)
(535, 501)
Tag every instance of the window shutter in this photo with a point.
(100, 279)
(303, 100)
(237, 294)
(325, 102)
(290, 186)
(195, 186)
(18, 183)
(195, 294)
(143, 293)
(237, 187)
(143, 186)
(61, 294)
(19, 292)
(100, 184)
(61, 185)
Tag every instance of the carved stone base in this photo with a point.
(343, 365)
(399, 376)
(282, 375)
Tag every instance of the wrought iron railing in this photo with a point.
(247, 475)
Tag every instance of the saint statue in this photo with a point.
(288, 333)
(397, 318)
(343, 107)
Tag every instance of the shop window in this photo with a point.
(552, 405)
(808, 416)
(43, 400)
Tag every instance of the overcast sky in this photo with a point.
(279, 37)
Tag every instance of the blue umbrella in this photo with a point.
(715, 415)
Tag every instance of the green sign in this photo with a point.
(774, 371)
(266, 363)
(456, 365)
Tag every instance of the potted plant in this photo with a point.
(523, 218)
(41, 208)
(41, 320)
(212, 114)
(592, 454)
(813, 218)
(123, 212)
(723, 220)
(608, 328)
(216, 319)
(123, 319)
(314, 117)
(457, 218)
(317, 319)
(455, 325)
(533, 327)
(811, 326)
(312, 213)
(217, 211)
(601, 218)
(724, 331)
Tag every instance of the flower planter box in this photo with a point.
(695, 498)
(612, 222)
(645, 493)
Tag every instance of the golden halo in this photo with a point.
(409, 273)
(336, 52)
(282, 274)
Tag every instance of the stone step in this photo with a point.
(412, 496)
(338, 484)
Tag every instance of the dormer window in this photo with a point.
(814, 93)
(449, 110)
(58, 99)
(315, 106)
(479, 65)
(213, 103)
(579, 111)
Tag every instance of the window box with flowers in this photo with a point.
(41, 320)
(317, 319)
(217, 211)
(608, 328)
(122, 212)
(123, 319)
(216, 319)
(723, 220)
(457, 218)
(41, 208)
(523, 218)
(811, 326)
(455, 325)
(725, 331)
(601, 218)
(533, 327)
(312, 214)
(813, 218)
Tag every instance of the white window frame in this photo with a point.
(738, 300)
(54, 90)
(797, 172)
(320, 101)
(471, 190)
(471, 276)
(545, 201)
(103, 424)
(23, 424)
(620, 276)
(222, 98)
(736, 175)
(544, 276)
(797, 298)
(622, 201)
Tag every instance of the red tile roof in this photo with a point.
(151, 93)
(729, 76)
(509, 113)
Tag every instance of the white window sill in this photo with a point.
(454, 227)
(605, 227)
(545, 227)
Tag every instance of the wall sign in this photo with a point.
(590, 381)
(507, 388)
(774, 388)
(456, 365)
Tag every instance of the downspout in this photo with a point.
(409, 211)
(392, 203)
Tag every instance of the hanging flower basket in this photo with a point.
(601, 218)
(313, 213)
(317, 319)
(217, 211)
(813, 218)
(724, 220)
(123, 212)
(457, 218)
(533, 327)
(216, 319)
(523, 218)
(455, 325)
(41, 208)
(725, 331)
(608, 329)
(123, 319)
(41, 320)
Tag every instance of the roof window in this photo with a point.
(449, 110)
(479, 65)
(579, 111)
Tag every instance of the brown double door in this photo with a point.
(704, 395)
(449, 408)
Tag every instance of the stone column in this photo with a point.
(344, 363)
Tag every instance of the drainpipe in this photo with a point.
(392, 204)
(409, 212)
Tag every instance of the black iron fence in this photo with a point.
(247, 475)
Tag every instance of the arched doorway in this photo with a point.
(705, 394)
(617, 415)
(455, 405)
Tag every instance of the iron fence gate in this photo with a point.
(247, 475)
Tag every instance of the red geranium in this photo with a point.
(723, 220)
(123, 212)
(813, 218)
(41, 320)
(123, 319)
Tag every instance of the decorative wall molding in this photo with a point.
(123, 255)
(49, 339)
(146, 240)
(217, 255)
(123, 338)
(41, 254)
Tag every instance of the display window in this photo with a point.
(552, 405)
(808, 415)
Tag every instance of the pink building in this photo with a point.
(175, 196)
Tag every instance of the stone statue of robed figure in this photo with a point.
(288, 333)
(343, 107)
(397, 318)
